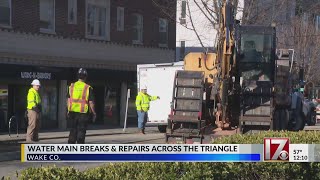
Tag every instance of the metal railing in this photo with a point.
(13, 119)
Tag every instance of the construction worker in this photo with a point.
(143, 104)
(34, 112)
(297, 109)
(80, 99)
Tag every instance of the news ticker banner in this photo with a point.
(273, 149)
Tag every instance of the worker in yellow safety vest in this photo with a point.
(80, 99)
(34, 112)
(143, 105)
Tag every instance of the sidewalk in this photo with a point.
(96, 130)
(10, 146)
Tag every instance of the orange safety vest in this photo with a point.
(79, 96)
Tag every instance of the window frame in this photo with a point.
(167, 32)
(49, 31)
(259, 41)
(107, 23)
(317, 23)
(121, 27)
(10, 20)
(75, 21)
(183, 16)
(305, 19)
(182, 50)
(139, 41)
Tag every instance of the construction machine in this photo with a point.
(315, 94)
(283, 89)
(292, 109)
(232, 88)
(311, 103)
(256, 71)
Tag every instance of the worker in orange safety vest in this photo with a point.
(80, 105)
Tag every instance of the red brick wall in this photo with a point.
(151, 15)
(25, 17)
(119, 36)
(62, 26)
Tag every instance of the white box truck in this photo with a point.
(159, 79)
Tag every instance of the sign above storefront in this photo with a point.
(35, 75)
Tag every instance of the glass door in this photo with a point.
(3, 108)
(20, 93)
(98, 92)
(111, 106)
(49, 98)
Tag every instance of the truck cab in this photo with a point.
(255, 71)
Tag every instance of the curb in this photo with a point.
(15, 153)
(10, 156)
(61, 137)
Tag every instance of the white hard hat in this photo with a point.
(144, 87)
(35, 82)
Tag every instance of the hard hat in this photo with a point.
(144, 87)
(82, 73)
(35, 82)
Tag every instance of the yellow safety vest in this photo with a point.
(33, 98)
(143, 101)
(79, 97)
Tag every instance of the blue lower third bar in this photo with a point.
(147, 157)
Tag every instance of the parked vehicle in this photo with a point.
(159, 80)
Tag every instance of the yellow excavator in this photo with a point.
(232, 87)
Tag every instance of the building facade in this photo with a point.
(197, 26)
(51, 39)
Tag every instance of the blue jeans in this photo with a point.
(142, 119)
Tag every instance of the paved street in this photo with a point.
(10, 147)
(9, 168)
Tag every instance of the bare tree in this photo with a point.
(307, 47)
(295, 29)
(210, 9)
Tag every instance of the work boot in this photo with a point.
(140, 131)
(143, 131)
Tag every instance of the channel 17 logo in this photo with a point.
(276, 149)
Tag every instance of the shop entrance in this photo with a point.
(99, 91)
(3, 108)
(112, 106)
(12, 103)
(17, 105)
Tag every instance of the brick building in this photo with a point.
(51, 39)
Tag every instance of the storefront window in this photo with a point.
(111, 106)
(49, 105)
(19, 103)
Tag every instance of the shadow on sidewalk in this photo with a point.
(90, 127)
(93, 130)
